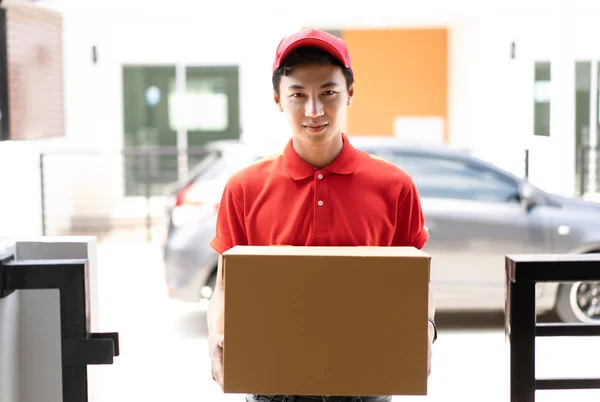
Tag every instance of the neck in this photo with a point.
(319, 155)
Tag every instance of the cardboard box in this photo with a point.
(326, 320)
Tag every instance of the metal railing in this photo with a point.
(112, 193)
(522, 274)
(587, 170)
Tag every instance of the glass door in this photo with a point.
(147, 128)
(212, 109)
(169, 112)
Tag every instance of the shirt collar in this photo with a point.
(298, 169)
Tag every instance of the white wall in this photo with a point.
(9, 339)
(152, 38)
(94, 103)
(490, 95)
(39, 357)
(9, 347)
(21, 207)
(489, 91)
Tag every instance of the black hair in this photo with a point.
(308, 55)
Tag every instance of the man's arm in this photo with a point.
(215, 308)
(431, 314)
(215, 322)
(431, 306)
(229, 232)
(431, 329)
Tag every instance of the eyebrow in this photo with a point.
(328, 84)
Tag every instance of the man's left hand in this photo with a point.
(430, 333)
(430, 330)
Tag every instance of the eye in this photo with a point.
(297, 95)
(329, 92)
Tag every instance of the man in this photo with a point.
(320, 191)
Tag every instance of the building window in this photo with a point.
(542, 98)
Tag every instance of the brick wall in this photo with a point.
(34, 37)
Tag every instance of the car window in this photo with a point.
(454, 178)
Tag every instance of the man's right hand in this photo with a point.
(214, 320)
(216, 357)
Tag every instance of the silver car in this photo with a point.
(475, 213)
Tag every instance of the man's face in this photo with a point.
(314, 99)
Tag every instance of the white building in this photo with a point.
(460, 73)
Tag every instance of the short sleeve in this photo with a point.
(230, 230)
(410, 222)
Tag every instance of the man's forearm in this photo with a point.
(215, 312)
(214, 315)
(431, 314)
(431, 304)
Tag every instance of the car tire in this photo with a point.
(567, 307)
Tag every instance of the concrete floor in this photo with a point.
(164, 354)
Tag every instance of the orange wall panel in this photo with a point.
(399, 72)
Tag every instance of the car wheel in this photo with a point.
(579, 302)
(207, 290)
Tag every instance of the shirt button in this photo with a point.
(320, 203)
(319, 176)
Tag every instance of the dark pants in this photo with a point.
(295, 398)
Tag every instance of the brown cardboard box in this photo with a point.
(326, 320)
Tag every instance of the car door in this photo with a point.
(475, 218)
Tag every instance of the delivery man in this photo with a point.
(320, 190)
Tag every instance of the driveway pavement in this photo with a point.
(164, 351)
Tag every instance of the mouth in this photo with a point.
(315, 128)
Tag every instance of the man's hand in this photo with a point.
(214, 320)
(216, 356)
(430, 334)
(430, 330)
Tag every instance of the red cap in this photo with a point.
(313, 37)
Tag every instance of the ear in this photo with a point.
(350, 95)
(277, 101)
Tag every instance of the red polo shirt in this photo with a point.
(358, 200)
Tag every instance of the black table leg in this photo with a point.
(521, 338)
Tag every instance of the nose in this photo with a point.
(313, 108)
